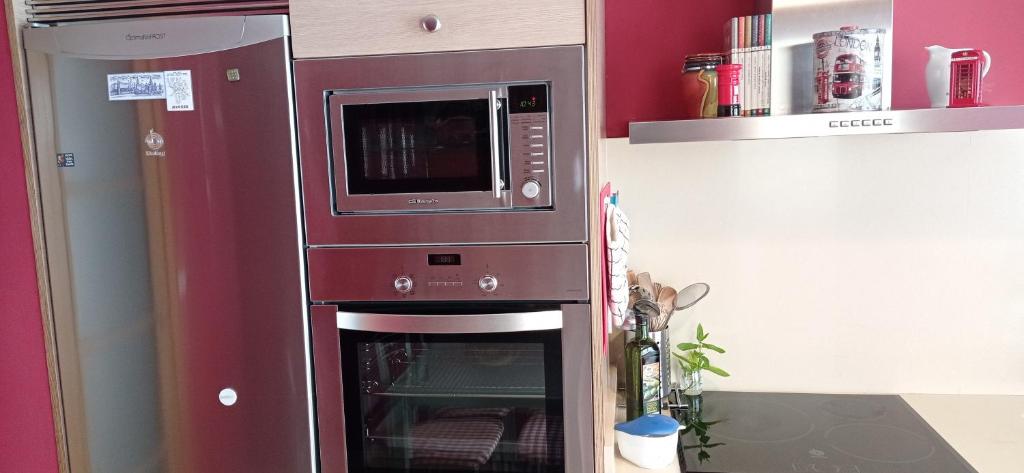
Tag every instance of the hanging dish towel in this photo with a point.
(617, 236)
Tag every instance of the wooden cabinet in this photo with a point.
(326, 28)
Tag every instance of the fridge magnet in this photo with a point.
(179, 91)
(136, 86)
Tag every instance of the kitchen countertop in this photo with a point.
(987, 430)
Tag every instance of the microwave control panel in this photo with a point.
(529, 145)
(451, 273)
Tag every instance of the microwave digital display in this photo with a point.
(452, 259)
(531, 98)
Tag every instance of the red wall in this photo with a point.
(26, 426)
(647, 39)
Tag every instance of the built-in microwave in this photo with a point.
(426, 149)
(444, 148)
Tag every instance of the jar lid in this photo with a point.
(848, 30)
(650, 425)
(703, 60)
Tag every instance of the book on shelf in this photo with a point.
(748, 42)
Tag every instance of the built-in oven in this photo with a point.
(444, 148)
(452, 359)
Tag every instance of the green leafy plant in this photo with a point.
(691, 355)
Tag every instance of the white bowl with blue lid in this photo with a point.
(648, 441)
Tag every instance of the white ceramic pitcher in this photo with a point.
(936, 73)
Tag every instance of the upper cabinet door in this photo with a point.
(326, 28)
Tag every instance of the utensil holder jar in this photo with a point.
(665, 355)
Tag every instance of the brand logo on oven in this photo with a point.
(422, 201)
(143, 36)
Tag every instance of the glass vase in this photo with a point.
(692, 382)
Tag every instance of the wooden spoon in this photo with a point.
(666, 306)
(646, 286)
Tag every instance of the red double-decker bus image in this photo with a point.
(848, 77)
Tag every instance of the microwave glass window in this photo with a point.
(417, 147)
(453, 403)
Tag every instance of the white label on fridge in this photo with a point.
(179, 91)
(136, 86)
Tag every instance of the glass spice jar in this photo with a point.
(700, 85)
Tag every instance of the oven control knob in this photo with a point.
(403, 284)
(488, 283)
(531, 189)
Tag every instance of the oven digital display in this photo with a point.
(444, 259)
(528, 98)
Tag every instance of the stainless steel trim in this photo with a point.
(199, 10)
(929, 120)
(149, 39)
(492, 103)
(451, 323)
(578, 389)
(46, 8)
(307, 329)
(342, 97)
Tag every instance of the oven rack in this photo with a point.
(436, 374)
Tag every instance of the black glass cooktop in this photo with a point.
(812, 433)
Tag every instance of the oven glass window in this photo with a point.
(418, 147)
(453, 403)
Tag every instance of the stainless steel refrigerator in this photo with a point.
(168, 177)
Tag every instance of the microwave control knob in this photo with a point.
(403, 284)
(531, 189)
(488, 283)
(431, 23)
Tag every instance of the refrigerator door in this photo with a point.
(173, 244)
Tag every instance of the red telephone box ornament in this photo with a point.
(965, 77)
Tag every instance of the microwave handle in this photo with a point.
(493, 104)
(451, 323)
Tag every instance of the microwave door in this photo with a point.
(419, 150)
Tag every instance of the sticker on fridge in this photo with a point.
(136, 86)
(179, 90)
(65, 160)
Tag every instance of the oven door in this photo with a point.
(416, 150)
(428, 392)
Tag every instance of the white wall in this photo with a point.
(876, 264)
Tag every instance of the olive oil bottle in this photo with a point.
(643, 373)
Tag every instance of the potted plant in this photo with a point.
(692, 360)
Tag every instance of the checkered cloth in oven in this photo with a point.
(461, 442)
(542, 440)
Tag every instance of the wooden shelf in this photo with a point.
(930, 120)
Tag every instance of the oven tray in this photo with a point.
(480, 373)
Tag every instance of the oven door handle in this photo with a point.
(451, 323)
(493, 104)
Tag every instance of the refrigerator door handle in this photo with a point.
(451, 323)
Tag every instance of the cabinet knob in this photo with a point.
(431, 23)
